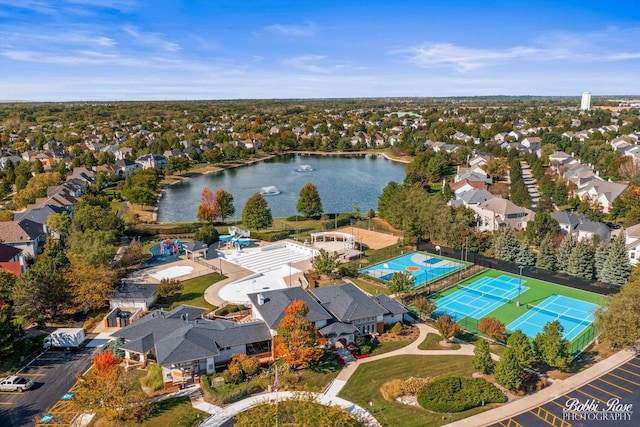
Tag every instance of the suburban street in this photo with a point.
(54, 373)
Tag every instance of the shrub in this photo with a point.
(392, 389)
(153, 379)
(456, 394)
(397, 329)
(414, 386)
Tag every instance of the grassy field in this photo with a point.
(193, 292)
(538, 291)
(432, 342)
(364, 387)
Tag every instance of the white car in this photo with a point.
(15, 383)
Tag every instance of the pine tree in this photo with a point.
(581, 260)
(508, 372)
(526, 256)
(506, 247)
(482, 360)
(616, 268)
(600, 256)
(546, 255)
(564, 252)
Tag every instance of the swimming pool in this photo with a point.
(425, 268)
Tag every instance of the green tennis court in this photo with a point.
(536, 293)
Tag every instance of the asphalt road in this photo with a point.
(608, 400)
(54, 373)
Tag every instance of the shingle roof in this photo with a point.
(274, 302)
(347, 303)
(337, 330)
(8, 252)
(134, 291)
(39, 215)
(177, 339)
(20, 231)
(391, 305)
(194, 246)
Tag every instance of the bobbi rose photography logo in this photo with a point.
(591, 409)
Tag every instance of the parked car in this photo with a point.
(15, 383)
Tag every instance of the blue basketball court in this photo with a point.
(574, 316)
(424, 268)
(480, 297)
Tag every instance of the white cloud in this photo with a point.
(293, 30)
(313, 63)
(151, 40)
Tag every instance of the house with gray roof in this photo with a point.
(185, 344)
(348, 304)
(269, 306)
(134, 296)
(395, 310)
(581, 226)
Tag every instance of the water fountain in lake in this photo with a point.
(304, 168)
(271, 190)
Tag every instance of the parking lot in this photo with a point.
(54, 373)
(605, 401)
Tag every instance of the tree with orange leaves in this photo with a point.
(105, 390)
(208, 209)
(297, 339)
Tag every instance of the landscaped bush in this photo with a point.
(231, 392)
(456, 394)
(393, 389)
(230, 308)
(414, 386)
(153, 379)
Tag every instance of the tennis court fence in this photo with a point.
(532, 272)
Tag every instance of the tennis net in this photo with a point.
(558, 315)
(485, 294)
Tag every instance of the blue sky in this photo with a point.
(66, 50)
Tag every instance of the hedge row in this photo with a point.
(456, 394)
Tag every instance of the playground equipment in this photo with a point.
(238, 237)
(167, 248)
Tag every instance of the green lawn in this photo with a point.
(364, 387)
(389, 346)
(538, 291)
(371, 288)
(193, 291)
(176, 411)
(432, 342)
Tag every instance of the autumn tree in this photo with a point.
(424, 306)
(90, 284)
(447, 327)
(256, 213)
(106, 391)
(297, 339)
(208, 208)
(309, 202)
(493, 328)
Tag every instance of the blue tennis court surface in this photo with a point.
(574, 316)
(480, 298)
(423, 267)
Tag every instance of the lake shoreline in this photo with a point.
(175, 179)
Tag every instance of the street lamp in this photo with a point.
(289, 274)
(520, 267)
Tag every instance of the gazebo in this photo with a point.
(195, 247)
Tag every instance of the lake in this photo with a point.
(342, 181)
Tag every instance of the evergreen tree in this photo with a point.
(616, 268)
(564, 252)
(546, 255)
(9, 330)
(508, 372)
(505, 245)
(522, 350)
(526, 256)
(600, 256)
(309, 202)
(482, 360)
(542, 225)
(581, 260)
(256, 213)
(552, 348)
